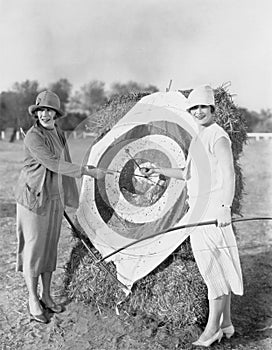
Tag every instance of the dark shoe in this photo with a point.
(57, 309)
(38, 318)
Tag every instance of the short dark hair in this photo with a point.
(211, 106)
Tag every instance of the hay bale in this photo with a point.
(172, 290)
(116, 107)
(173, 294)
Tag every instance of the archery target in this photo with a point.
(130, 204)
(126, 206)
(134, 197)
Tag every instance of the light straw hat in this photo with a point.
(202, 95)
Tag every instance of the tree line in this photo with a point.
(84, 102)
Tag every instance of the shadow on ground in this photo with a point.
(252, 313)
(7, 209)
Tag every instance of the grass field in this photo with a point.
(257, 200)
(80, 327)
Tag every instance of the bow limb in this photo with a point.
(95, 259)
(211, 222)
(204, 223)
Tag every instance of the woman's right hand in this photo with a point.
(97, 173)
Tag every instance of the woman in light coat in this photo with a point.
(210, 179)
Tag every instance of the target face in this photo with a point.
(125, 205)
(131, 204)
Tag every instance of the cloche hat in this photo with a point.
(202, 95)
(46, 99)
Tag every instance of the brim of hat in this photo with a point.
(33, 108)
(189, 106)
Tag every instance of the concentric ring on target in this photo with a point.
(127, 202)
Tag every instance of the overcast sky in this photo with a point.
(149, 41)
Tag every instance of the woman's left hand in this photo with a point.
(149, 171)
(224, 216)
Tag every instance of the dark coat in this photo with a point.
(33, 188)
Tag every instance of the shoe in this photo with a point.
(41, 318)
(57, 309)
(217, 336)
(228, 331)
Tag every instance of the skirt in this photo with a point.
(38, 237)
(215, 249)
(216, 254)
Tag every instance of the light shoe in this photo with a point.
(228, 331)
(217, 336)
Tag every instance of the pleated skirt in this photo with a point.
(216, 254)
(215, 251)
(37, 238)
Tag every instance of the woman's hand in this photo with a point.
(97, 173)
(149, 171)
(177, 173)
(224, 216)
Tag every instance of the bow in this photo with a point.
(84, 240)
(204, 223)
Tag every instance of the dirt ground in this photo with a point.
(83, 327)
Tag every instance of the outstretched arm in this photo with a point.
(97, 173)
(177, 173)
(49, 160)
(43, 155)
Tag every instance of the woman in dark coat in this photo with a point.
(45, 186)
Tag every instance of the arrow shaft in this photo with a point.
(132, 158)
